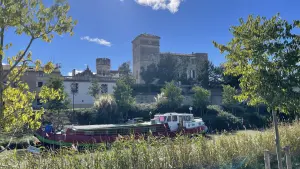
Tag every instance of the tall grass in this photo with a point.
(239, 150)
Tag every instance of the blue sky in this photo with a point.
(107, 27)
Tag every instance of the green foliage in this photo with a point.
(209, 75)
(123, 96)
(124, 69)
(94, 89)
(264, 53)
(244, 149)
(56, 83)
(173, 95)
(106, 106)
(218, 119)
(149, 74)
(201, 97)
(35, 20)
(164, 71)
(228, 95)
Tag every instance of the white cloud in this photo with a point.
(97, 40)
(171, 5)
(76, 72)
(4, 63)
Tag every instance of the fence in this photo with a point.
(287, 153)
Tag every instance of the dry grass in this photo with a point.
(239, 150)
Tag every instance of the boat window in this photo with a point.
(162, 118)
(188, 118)
(174, 118)
(168, 118)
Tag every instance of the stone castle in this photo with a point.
(146, 50)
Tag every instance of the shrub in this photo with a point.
(142, 110)
(106, 106)
(218, 119)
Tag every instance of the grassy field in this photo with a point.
(243, 149)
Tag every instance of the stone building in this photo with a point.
(104, 76)
(146, 50)
(36, 79)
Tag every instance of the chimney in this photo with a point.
(73, 72)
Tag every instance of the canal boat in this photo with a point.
(162, 125)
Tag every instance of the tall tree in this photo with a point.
(126, 74)
(167, 68)
(149, 74)
(33, 19)
(165, 71)
(123, 96)
(228, 95)
(62, 102)
(94, 89)
(124, 69)
(266, 53)
(201, 98)
(56, 105)
(173, 95)
(209, 75)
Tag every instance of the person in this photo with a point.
(49, 128)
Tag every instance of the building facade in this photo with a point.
(105, 77)
(35, 80)
(146, 51)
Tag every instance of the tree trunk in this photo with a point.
(277, 140)
(1, 70)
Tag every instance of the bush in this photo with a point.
(218, 119)
(84, 116)
(255, 120)
(142, 110)
(106, 108)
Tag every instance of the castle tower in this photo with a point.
(103, 66)
(145, 51)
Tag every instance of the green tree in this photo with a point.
(201, 98)
(209, 75)
(124, 69)
(228, 95)
(94, 89)
(173, 95)
(33, 19)
(62, 102)
(123, 96)
(58, 104)
(165, 71)
(106, 107)
(266, 53)
(126, 74)
(167, 68)
(149, 74)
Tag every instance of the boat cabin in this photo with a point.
(176, 120)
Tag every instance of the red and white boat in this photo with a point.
(167, 125)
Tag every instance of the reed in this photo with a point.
(227, 150)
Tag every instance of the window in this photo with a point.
(174, 118)
(40, 74)
(168, 118)
(40, 84)
(193, 74)
(162, 118)
(38, 102)
(104, 88)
